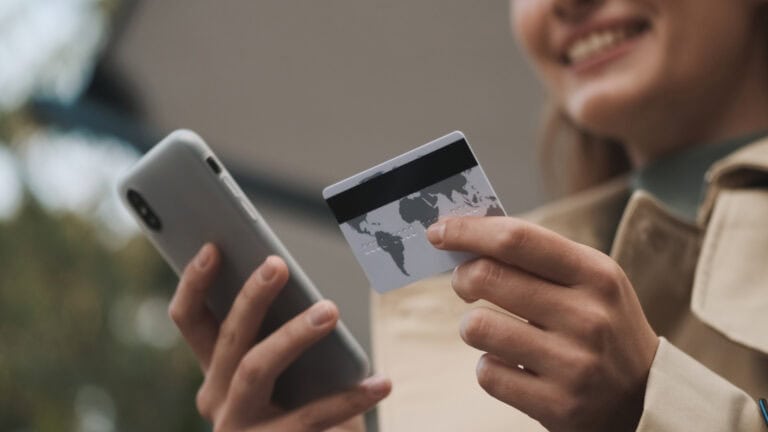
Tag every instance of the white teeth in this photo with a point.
(595, 43)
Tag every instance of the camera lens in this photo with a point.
(144, 210)
(213, 164)
(153, 222)
(134, 197)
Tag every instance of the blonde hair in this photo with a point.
(572, 159)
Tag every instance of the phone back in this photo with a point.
(193, 204)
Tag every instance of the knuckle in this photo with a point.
(567, 410)
(251, 370)
(295, 331)
(516, 236)
(483, 272)
(585, 370)
(229, 334)
(475, 277)
(192, 277)
(594, 326)
(609, 278)
(205, 403)
(250, 292)
(292, 337)
(455, 229)
(176, 313)
(486, 377)
(475, 327)
(253, 294)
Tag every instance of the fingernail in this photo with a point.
(267, 270)
(203, 257)
(436, 232)
(376, 385)
(320, 313)
(481, 365)
(455, 276)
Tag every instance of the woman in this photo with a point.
(670, 89)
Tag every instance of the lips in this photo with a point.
(590, 43)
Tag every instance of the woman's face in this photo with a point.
(621, 68)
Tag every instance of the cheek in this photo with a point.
(606, 102)
(683, 67)
(699, 59)
(529, 27)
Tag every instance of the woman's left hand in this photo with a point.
(579, 360)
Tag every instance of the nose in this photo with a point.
(575, 10)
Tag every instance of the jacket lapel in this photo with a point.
(717, 268)
(658, 252)
(730, 290)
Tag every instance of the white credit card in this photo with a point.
(384, 212)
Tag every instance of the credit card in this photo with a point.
(384, 212)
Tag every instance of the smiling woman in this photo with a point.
(656, 76)
(662, 334)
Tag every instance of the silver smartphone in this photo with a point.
(183, 197)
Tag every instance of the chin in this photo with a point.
(609, 107)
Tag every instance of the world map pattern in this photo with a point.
(455, 196)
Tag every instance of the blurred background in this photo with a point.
(293, 96)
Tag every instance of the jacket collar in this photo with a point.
(678, 179)
(744, 168)
(676, 265)
(592, 217)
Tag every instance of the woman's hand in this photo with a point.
(580, 360)
(240, 376)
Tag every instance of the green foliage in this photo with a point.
(60, 291)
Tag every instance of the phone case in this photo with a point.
(193, 205)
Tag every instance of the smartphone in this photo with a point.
(183, 197)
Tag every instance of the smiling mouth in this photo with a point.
(592, 45)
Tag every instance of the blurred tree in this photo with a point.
(61, 294)
(85, 343)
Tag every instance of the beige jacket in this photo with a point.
(704, 289)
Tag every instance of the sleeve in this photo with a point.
(683, 395)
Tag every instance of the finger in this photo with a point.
(514, 290)
(328, 412)
(240, 329)
(255, 376)
(510, 339)
(516, 242)
(513, 386)
(188, 309)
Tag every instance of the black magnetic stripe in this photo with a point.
(402, 181)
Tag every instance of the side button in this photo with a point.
(231, 185)
(249, 208)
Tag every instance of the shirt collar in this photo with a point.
(678, 180)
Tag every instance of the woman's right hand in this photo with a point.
(236, 394)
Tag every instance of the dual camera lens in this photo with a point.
(144, 210)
